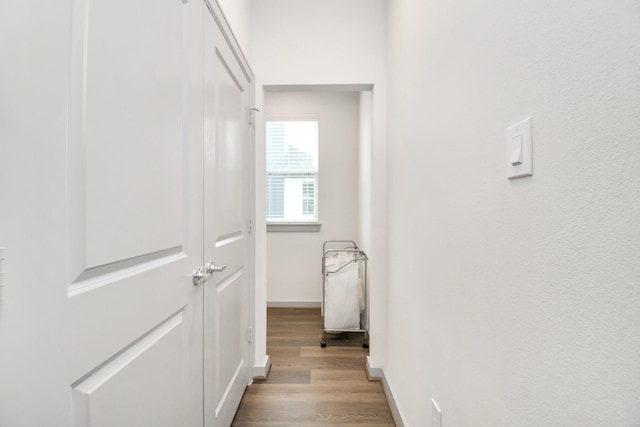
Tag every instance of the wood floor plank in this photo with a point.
(298, 363)
(321, 392)
(341, 352)
(340, 376)
(330, 412)
(310, 386)
(309, 424)
(280, 376)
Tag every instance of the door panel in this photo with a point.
(226, 201)
(103, 217)
(109, 330)
(134, 209)
(138, 382)
(133, 163)
(123, 149)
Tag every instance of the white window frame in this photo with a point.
(297, 224)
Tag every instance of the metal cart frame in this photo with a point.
(328, 248)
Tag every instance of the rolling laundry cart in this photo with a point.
(344, 290)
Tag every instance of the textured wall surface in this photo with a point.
(515, 303)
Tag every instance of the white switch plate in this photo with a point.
(523, 129)
(436, 414)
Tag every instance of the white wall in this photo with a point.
(294, 259)
(515, 303)
(333, 42)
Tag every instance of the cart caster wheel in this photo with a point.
(323, 344)
(365, 345)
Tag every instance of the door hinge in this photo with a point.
(250, 335)
(252, 115)
(250, 228)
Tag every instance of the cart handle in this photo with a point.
(324, 246)
(360, 253)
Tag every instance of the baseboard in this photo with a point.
(294, 304)
(377, 374)
(261, 372)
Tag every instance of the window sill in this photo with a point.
(293, 227)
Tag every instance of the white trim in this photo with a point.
(320, 88)
(294, 304)
(223, 24)
(291, 117)
(232, 41)
(296, 177)
(262, 371)
(288, 227)
(378, 374)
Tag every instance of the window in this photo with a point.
(308, 198)
(292, 171)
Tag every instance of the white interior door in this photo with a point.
(102, 213)
(226, 223)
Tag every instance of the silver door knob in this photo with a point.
(211, 268)
(199, 276)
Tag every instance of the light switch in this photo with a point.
(516, 150)
(519, 150)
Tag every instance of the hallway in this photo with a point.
(310, 386)
(484, 155)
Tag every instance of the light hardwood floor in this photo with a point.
(310, 386)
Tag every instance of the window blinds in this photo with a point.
(292, 171)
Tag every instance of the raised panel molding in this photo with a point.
(125, 189)
(230, 38)
(129, 381)
(93, 278)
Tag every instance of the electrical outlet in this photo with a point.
(436, 414)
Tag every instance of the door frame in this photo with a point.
(232, 41)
